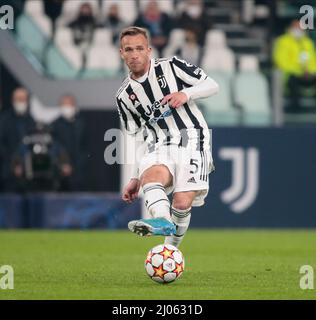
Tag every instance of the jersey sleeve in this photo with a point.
(129, 119)
(187, 72)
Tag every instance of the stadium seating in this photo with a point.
(35, 9)
(30, 36)
(103, 57)
(59, 66)
(164, 5)
(127, 9)
(64, 59)
(175, 40)
(71, 8)
(102, 37)
(103, 61)
(64, 37)
(218, 109)
(251, 92)
(64, 42)
(217, 55)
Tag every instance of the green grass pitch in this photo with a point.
(220, 264)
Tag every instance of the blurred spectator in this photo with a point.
(295, 55)
(68, 130)
(83, 29)
(190, 50)
(40, 161)
(158, 23)
(194, 16)
(16, 122)
(53, 9)
(114, 22)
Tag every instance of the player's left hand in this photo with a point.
(176, 99)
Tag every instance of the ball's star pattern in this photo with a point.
(159, 272)
(148, 258)
(179, 268)
(166, 253)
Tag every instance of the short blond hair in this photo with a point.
(134, 31)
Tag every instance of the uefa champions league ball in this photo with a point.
(164, 263)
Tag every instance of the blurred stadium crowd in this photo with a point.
(238, 43)
(38, 157)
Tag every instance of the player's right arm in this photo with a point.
(129, 119)
(130, 191)
(197, 83)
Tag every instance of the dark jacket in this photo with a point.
(83, 29)
(12, 130)
(71, 135)
(200, 25)
(159, 28)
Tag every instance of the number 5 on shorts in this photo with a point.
(194, 163)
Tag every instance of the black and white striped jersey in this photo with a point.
(140, 109)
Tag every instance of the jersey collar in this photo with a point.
(145, 76)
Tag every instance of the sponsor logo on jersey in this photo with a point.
(192, 180)
(163, 115)
(151, 109)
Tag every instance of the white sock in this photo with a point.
(181, 218)
(156, 201)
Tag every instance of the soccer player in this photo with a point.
(156, 100)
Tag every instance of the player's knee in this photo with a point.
(182, 203)
(183, 200)
(159, 174)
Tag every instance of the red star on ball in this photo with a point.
(179, 268)
(159, 272)
(148, 258)
(166, 253)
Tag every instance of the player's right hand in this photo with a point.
(130, 192)
(175, 99)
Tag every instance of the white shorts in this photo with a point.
(189, 168)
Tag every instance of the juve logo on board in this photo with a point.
(243, 191)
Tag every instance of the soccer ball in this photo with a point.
(164, 263)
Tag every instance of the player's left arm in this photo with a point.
(197, 84)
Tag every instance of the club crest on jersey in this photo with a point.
(162, 81)
(132, 97)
